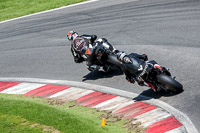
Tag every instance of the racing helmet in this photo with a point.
(71, 35)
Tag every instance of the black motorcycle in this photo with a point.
(146, 73)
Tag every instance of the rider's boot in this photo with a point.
(99, 68)
(103, 68)
(93, 67)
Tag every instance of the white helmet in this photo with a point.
(71, 35)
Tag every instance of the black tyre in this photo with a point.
(169, 83)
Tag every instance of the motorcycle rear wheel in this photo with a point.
(169, 83)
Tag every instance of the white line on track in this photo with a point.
(51, 10)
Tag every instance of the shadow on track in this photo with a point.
(150, 94)
(94, 75)
(145, 95)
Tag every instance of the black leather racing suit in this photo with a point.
(82, 48)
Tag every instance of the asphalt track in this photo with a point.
(167, 30)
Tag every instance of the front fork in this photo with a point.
(155, 70)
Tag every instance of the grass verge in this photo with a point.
(16, 8)
(19, 113)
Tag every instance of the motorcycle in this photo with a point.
(146, 73)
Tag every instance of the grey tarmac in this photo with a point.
(167, 30)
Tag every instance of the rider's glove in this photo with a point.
(145, 57)
(78, 60)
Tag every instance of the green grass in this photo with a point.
(16, 8)
(19, 114)
(17, 124)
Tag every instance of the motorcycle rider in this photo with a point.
(83, 48)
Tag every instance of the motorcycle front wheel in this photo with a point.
(167, 82)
